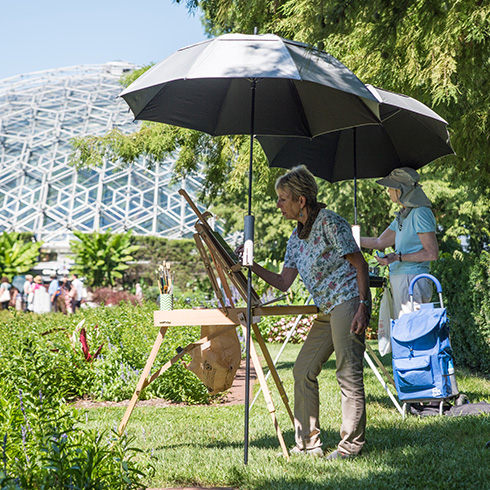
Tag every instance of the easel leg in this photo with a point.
(142, 383)
(267, 395)
(273, 371)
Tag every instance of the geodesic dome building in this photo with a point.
(41, 193)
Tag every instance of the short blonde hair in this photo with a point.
(299, 181)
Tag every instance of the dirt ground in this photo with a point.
(234, 396)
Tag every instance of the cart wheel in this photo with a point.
(461, 399)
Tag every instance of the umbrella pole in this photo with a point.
(248, 262)
(355, 177)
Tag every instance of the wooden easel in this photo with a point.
(221, 267)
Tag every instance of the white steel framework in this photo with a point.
(41, 193)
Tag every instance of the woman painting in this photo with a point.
(324, 253)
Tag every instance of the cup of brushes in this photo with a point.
(165, 284)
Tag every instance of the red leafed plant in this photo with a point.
(85, 348)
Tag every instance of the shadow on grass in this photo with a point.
(436, 453)
(380, 399)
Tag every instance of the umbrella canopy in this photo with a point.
(301, 91)
(409, 135)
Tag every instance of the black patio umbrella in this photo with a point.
(410, 134)
(255, 85)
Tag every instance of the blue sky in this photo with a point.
(41, 35)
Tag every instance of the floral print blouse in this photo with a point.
(319, 260)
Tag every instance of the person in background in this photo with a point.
(323, 251)
(13, 296)
(5, 297)
(413, 234)
(54, 292)
(77, 284)
(65, 294)
(17, 299)
(26, 290)
(41, 302)
(138, 292)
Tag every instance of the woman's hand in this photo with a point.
(239, 252)
(387, 259)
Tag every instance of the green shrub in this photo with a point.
(45, 352)
(190, 273)
(18, 254)
(45, 446)
(102, 257)
(464, 279)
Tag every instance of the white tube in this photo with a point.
(356, 232)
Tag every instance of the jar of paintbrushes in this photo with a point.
(165, 284)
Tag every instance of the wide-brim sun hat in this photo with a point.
(400, 176)
(406, 179)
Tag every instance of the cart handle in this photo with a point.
(427, 276)
(433, 279)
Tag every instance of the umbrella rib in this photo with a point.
(392, 114)
(341, 129)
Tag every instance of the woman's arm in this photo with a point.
(361, 318)
(385, 240)
(280, 281)
(429, 251)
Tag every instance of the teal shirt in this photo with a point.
(407, 241)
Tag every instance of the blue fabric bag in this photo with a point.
(422, 354)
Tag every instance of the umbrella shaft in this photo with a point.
(355, 174)
(253, 85)
(247, 364)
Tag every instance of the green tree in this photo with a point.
(102, 257)
(16, 255)
(437, 51)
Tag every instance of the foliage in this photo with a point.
(47, 350)
(17, 256)
(46, 446)
(281, 328)
(41, 360)
(193, 151)
(464, 279)
(110, 297)
(102, 257)
(182, 255)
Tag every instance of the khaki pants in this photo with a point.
(331, 333)
(422, 293)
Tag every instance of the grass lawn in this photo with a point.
(203, 445)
